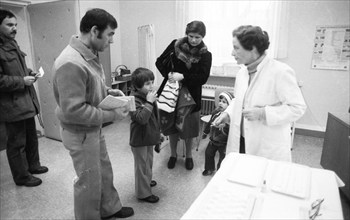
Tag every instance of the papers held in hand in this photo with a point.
(113, 102)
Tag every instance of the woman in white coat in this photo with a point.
(267, 99)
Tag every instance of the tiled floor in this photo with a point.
(177, 188)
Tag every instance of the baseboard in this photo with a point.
(309, 130)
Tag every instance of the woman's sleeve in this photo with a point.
(199, 74)
(293, 104)
(163, 62)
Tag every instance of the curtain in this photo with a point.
(147, 50)
(221, 17)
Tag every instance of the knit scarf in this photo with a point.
(187, 53)
(252, 68)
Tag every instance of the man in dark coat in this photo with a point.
(18, 106)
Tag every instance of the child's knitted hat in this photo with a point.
(228, 96)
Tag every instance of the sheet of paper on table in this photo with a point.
(248, 170)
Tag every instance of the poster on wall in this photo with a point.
(331, 48)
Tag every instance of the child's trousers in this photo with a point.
(143, 162)
(210, 156)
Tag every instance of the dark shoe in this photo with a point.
(172, 162)
(31, 181)
(151, 199)
(153, 183)
(207, 172)
(123, 213)
(39, 170)
(189, 163)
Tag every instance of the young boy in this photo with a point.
(218, 137)
(144, 132)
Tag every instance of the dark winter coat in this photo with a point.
(194, 77)
(17, 101)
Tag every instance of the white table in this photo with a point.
(224, 199)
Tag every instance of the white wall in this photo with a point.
(137, 13)
(324, 90)
(111, 7)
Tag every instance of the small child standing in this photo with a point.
(144, 133)
(218, 136)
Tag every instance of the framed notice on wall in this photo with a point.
(331, 48)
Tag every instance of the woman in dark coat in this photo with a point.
(188, 61)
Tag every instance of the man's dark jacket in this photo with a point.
(17, 101)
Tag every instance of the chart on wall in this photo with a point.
(331, 48)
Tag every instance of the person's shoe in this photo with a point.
(39, 170)
(189, 163)
(153, 183)
(207, 172)
(30, 182)
(172, 162)
(151, 199)
(123, 213)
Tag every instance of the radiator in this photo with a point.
(208, 105)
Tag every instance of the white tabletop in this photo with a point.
(225, 198)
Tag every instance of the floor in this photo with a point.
(177, 188)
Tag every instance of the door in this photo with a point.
(52, 25)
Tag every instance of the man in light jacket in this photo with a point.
(267, 99)
(79, 87)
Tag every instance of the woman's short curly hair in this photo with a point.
(249, 36)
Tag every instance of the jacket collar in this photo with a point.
(85, 52)
(139, 95)
(7, 43)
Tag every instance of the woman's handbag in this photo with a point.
(168, 98)
(184, 108)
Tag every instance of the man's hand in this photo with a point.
(115, 92)
(121, 113)
(29, 80)
(254, 114)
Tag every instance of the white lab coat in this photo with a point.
(274, 87)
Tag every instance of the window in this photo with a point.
(221, 17)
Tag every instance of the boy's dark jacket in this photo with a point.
(218, 137)
(144, 127)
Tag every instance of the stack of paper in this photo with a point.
(223, 203)
(290, 179)
(248, 170)
(113, 102)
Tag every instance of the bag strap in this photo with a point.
(161, 87)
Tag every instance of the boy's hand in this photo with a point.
(151, 96)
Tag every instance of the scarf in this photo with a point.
(252, 68)
(187, 53)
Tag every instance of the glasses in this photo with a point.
(315, 209)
